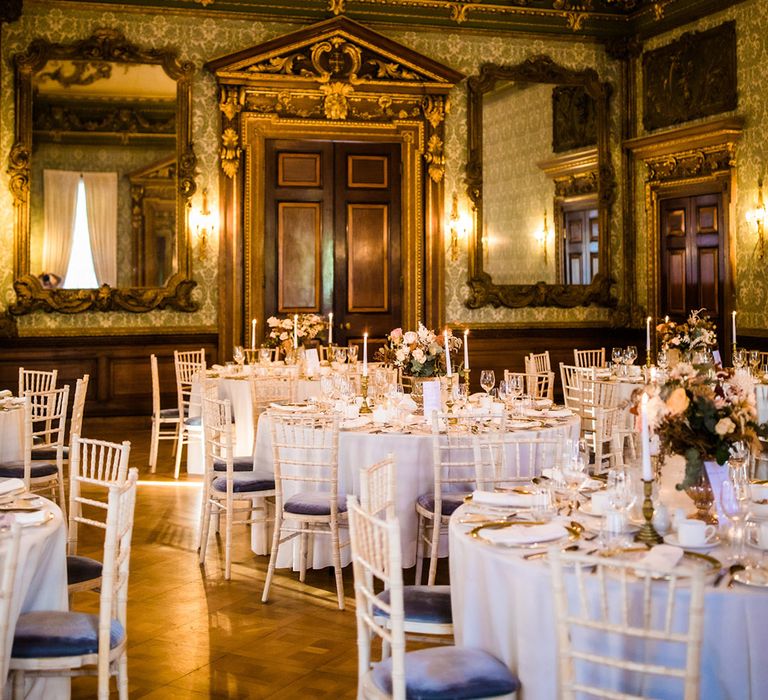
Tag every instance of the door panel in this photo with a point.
(692, 256)
(580, 252)
(332, 234)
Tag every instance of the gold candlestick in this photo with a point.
(364, 408)
(647, 534)
(465, 373)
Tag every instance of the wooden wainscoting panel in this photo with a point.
(120, 381)
(298, 257)
(367, 258)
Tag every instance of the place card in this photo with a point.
(311, 362)
(717, 473)
(432, 396)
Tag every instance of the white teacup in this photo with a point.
(600, 501)
(695, 533)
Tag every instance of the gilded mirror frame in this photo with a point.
(103, 45)
(483, 290)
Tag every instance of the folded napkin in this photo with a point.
(542, 403)
(506, 498)
(11, 485)
(381, 414)
(525, 534)
(662, 557)
(354, 423)
(32, 518)
(6, 394)
(408, 404)
(558, 413)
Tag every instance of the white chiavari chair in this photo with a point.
(224, 486)
(608, 442)
(571, 376)
(537, 385)
(161, 417)
(94, 466)
(457, 453)
(538, 362)
(427, 609)
(441, 671)
(9, 558)
(56, 643)
(305, 449)
(518, 461)
(37, 380)
(622, 624)
(190, 367)
(269, 390)
(45, 416)
(589, 358)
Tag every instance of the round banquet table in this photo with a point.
(503, 604)
(41, 584)
(237, 389)
(359, 449)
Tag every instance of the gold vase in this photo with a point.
(703, 499)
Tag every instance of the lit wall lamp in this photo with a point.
(454, 223)
(205, 226)
(757, 217)
(542, 235)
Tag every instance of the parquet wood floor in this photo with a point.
(192, 634)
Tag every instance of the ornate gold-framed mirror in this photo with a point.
(532, 89)
(102, 145)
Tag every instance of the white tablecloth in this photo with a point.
(503, 604)
(41, 584)
(11, 434)
(358, 450)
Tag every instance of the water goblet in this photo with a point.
(238, 355)
(662, 359)
(265, 356)
(754, 361)
(487, 379)
(352, 351)
(734, 502)
(740, 358)
(340, 355)
(617, 356)
(631, 354)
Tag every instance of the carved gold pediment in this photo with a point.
(337, 51)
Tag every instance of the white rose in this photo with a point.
(410, 338)
(725, 426)
(419, 356)
(400, 355)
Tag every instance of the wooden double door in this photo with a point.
(332, 234)
(692, 253)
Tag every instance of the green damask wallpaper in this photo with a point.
(202, 39)
(751, 157)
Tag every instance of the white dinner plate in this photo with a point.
(752, 576)
(523, 424)
(586, 508)
(671, 538)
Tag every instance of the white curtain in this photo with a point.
(60, 202)
(101, 206)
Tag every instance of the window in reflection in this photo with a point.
(81, 273)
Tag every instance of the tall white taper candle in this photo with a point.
(733, 326)
(330, 328)
(448, 371)
(648, 334)
(365, 354)
(466, 349)
(295, 330)
(253, 334)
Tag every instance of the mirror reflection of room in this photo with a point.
(103, 175)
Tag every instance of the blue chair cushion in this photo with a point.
(244, 481)
(48, 453)
(49, 634)
(313, 503)
(169, 413)
(194, 422)
(239, 464)
(81, 569)
(448, 673)
(450, 502)
(16, 469)
(423, 604)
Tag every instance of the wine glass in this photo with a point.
(265, 356)
(238, 355)
(487, 380)
(754, 361)
(340, 355)
(631, 354)
(662, 359)
(352, 351)
(734, 502)
(740, 358)
(617, 356)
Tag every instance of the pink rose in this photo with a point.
(396, 334)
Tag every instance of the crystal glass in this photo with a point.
(461, 394)
(740, 358)
(238, 355)
(754, 361)
(734, 502)
(265, 356)
(487, 379)
(662, 359)
(617, 355)
(352, 351)
(340, 355)
(504, 390)
(631, 354)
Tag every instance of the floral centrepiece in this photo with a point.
(697, 333)
(418, 353)
(701, 414)
(281, 329)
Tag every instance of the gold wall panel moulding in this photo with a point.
(367, 171)
(31, 296)
(298, 170)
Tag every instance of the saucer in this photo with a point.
(671, 538)
(752, 542)
(586, 508)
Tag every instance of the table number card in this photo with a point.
(311, 361)
(431, 397)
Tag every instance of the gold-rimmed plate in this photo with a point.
(710, 564)
(481, 532)
(755, 576)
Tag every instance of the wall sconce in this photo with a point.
(757, 217)
(457, 227)
(542, 235)
(204, 226)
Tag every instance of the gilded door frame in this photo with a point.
(256, 129)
